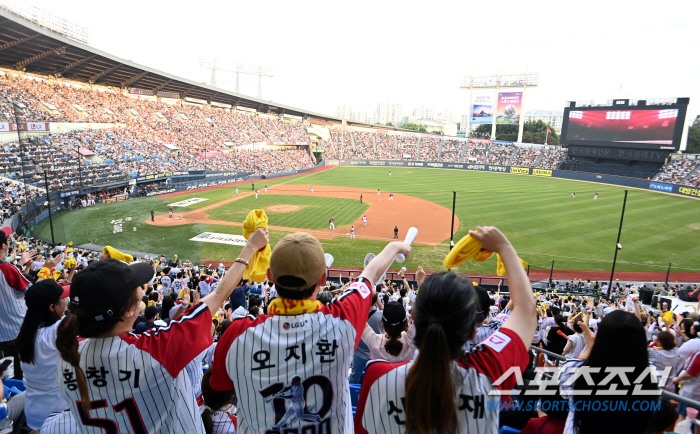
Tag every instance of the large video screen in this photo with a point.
(644, 127)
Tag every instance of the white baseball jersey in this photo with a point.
(224, 420)
(12, 306)
(177, 285)
(166, 282)
(380, 408)
(487, 330)
(138, 383)
(264, 356)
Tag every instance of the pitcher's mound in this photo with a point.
(283, 208)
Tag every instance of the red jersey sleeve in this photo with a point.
(353, 306)
(176, 345)
(220, 379)
(13, 277)
(693, 366)
(373, 371)
(500, 352)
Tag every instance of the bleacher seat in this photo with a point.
(355, 394)
(508, 430)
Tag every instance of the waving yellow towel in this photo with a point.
(261, 259)
(467, 248)
(116, 254)
(501, 269)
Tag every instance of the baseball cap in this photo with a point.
(104, 287)
(151, 311)
(5, 234)
(44, 293)
(394, 313)
(297, 262)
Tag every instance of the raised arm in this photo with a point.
(216, 298)
(523, 319)
(378, 266)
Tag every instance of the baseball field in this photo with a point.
(538, 214)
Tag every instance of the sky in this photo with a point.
(328, 53)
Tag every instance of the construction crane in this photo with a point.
(238, 68)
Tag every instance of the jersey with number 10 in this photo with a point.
(290, 372)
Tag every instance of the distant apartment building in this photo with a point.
(553, 117)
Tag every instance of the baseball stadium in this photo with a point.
(419, 260)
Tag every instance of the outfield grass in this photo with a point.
(314, 212)
(538, 214)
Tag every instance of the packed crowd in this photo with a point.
(429, 149)
(526, 156)
(451, 151)
(14, 196)
(499, 154)
(474, 153)
(364, 145)
(677, 171)
(386, 147)
(186, 348)
(407, 145)
(552, 158)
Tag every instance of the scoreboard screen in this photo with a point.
(639, 127)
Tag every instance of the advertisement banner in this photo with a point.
(689, 191)
(24, 126)
(508, 111)
(541, 172)
(188, 202)
(211, 237)
(4, 127)
(482, 109)
(660, 187)
(523, 170)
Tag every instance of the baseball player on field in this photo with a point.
(236, 190)
(352, 232)
(312, 188)
(364, 219)
(265, 188)
(171, 212)
(300, 337)
(379, 191)
(256, 194)
(391, 197)
(115, 381)
(331, 222)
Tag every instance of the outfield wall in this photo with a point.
(553, 173)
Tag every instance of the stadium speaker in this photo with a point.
(667, 301)
(642, 102)
(684, 101)
(655, 302)
(572, 103)
(645, 295)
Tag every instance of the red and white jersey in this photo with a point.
(380, 408)
(12, 306)
(138, 383)
(224, 420)
(292, 370)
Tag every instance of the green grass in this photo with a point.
(314, 213)
(538, 215)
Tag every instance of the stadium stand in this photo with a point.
(451, 151)
(429, 149)
(677, 171)
(364, 145)
(407, 145)
(386, 147)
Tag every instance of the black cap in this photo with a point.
(104, 287)
(152, 311)
(484, 300)
(394, 313)
(44, 293)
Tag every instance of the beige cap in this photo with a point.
(297, 262)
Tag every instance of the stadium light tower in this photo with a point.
(216, 64)
(498, 81)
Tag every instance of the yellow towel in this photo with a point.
(116, 254)
(70, 262)
(260, 261)
(284, 306)
(21, 246)
(467, 248)
(501, 269)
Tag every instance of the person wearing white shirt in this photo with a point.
(46, 302)
(395, 345)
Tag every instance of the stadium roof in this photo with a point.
(25, 46)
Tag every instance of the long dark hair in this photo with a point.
(621, 341)
(213, 400)
(394, 345)
(445, 317)
(168, 303)
(33, 321)
(83, 324)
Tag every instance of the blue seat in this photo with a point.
(508, 430)
(19, 384)
(354, 410)
(355, 394)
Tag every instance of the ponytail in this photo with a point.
(80, 323)
(394, 345)
(430, 405)
(67, 345)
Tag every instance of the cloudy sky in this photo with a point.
(326, 53)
